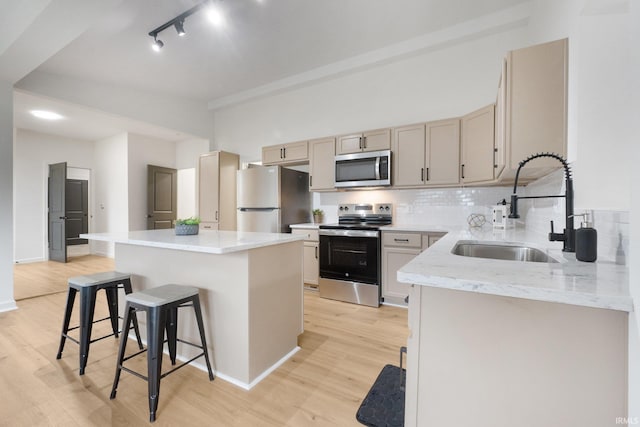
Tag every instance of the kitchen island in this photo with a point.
(502, 343)
(250, 289)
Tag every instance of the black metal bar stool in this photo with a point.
(88, 286)
(161, 306)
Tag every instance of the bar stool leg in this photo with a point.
(112, 300)
(71, 297)
(87, 308)
(128, 312)
(156, 324)
(172, 332)
(198, 311)
(126, 284)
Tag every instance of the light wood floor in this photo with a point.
(44, 278)
(344, 347)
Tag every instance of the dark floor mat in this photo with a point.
(384, 404)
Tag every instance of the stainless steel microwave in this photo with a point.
(370, 169)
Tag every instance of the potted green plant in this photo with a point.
(318, 216)
(187, 226)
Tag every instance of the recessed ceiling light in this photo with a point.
(47, 115)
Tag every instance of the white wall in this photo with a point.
(187, 152)
(634, 282)
(144, 151)
(110, 185)
(33, 154)
(186, 193)
(6, 196)
(436, 84)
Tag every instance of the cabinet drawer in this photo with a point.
(309, 234)
(208, 226)
(408, 240)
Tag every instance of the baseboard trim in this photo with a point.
(29, 260)
(8, 306)
(243, 385)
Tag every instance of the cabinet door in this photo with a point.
(311, 264)
(499, 148)
(477, 145)
(295, 151)
(392, 260)
(208, 187)
(375, 140)
(322, 171)
(347, 144)
(537, 104)
(430, 239)
(272, 154)
(443, 152)
(408, 156)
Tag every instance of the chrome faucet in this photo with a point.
(568, 236)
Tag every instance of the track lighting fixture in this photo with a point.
(180, 28)
(156, 45)
(178, 22)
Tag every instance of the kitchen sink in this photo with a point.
(501, 251)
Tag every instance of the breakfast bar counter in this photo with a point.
(250, 287)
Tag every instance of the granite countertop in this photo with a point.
(207, 241)
(602, 284)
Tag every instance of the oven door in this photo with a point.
(351, 255)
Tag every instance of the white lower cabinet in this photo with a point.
(398, 249)
(311, 268)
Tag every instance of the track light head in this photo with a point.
(180, 28)
(156, 45)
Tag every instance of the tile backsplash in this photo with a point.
(452, 207)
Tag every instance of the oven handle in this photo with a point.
(348, 233)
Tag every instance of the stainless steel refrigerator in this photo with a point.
(271, 198)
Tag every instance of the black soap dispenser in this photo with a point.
(586, 240)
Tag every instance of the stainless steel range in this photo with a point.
(350, 259)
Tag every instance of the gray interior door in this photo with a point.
(57, 212)
(77, 210)
(162, 197)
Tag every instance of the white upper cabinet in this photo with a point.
(373, 140)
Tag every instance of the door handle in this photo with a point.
(316, 252)
(64, 217)
(216, 215)
(462, 171)
(284, 153)
(149, 216)
(427, 174)
(364, 142)
(421, 174)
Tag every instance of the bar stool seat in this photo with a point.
(161, 305)
(88, 286)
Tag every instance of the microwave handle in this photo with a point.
(377, 167)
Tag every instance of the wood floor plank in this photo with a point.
(343, 349)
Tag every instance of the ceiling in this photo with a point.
(263, 41)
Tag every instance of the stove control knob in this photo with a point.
(346, 208)
(341, 208)
(386, 207)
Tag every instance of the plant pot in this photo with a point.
(187, 229)
(317, 219)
